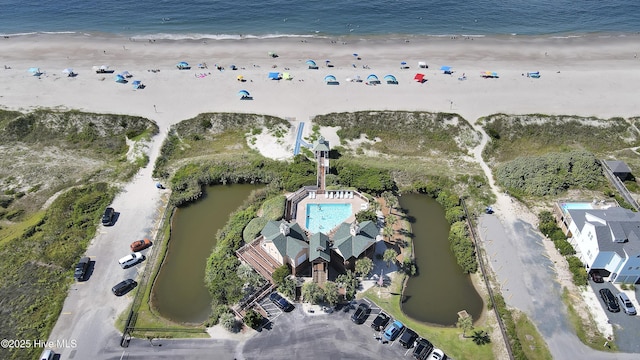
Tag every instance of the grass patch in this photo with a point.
(405, 133)
(447, 338)
(38, 258)
(533, 345)
(512, 136)
(585, 329)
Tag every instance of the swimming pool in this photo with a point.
(576, 206)
(325, 217)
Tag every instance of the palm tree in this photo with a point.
(389, 256)
(465, 323)
(388, 232)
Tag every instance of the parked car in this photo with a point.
(130, 260)
(393, 330)
(596, 277)
(408, 338)
(140, 245)
(47, 355)
(280, 302)
(626, 304)
(123, 287)
(361, 314)
(107, 217)
(436, 354)
(610, 301)
(81, 269)
(423, 349)
(380, 321)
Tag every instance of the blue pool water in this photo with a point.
(324, 217)
(576, 206)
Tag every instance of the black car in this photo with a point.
(408, 338)
(107, 217)
(596, 277)
(360, 316)
(123, 287)
(81, 269)
(609, 300)
(280, 302)
(380, 322)
(423, 349)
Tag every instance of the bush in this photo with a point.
(280, 273)
(229, 322)
(577, 270)
(288, 288)
(550, 174)
(253, 319)
(273, 209)
(253, 229)
(462, 247)
(366, 215)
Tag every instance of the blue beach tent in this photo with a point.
(390, 79)
(275, 76)
(312, 64)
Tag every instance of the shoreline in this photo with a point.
(198, 37)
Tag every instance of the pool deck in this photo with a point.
(357, 204)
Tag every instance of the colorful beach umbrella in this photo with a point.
(372, 77)
(35, 70)
(419, 78)
(67, 71)
(390, 79)
(330, 78)
(136, 84)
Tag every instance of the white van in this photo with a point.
(47, 355)
(130, 260)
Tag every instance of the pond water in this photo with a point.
(179, 292)
(441, 289)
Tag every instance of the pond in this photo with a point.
(179, 292)
(441, 289)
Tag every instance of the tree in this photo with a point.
(389, 256)
(480, 337)
(409, 267)
(465, 323)
(349, 282)
(364, 266)
(229, 322)
(388, 232)
(391, 219)
(288, 288)
(312, 293)
(331, 293)
(365, 215)
(280, 273)
(253, 319)
(250, 277)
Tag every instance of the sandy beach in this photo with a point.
(590, 76)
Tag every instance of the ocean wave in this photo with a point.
(197, 36)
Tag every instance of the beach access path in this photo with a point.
(583, 76)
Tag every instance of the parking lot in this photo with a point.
(626, 328)
(300, 333)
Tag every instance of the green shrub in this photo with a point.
(577, 270)
(253, 319)
(462, 247)
(253, 229)
(273, 209)
(550, 174)
(366, 215)
(280, 273)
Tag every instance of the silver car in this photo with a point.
(626, 304)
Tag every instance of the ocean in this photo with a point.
(182, 19)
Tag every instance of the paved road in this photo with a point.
(90, 310)
(526, 275)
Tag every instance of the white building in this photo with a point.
(607, 239)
